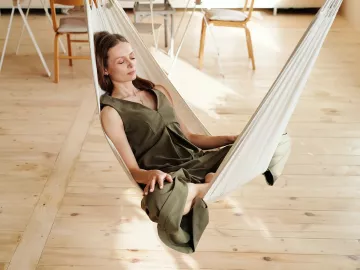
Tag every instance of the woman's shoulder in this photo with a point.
(108, 111)
(107, 107)
(164, 91)
(109, 115)
(107, 101)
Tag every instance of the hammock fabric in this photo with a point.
(251, 154)
(255, 149)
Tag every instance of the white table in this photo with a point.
(16, 4)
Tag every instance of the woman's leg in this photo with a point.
(197, 190)
(194, 190)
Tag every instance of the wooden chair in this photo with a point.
(68, 25)
(228, 18)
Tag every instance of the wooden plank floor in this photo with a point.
(65, 202)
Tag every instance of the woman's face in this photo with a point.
(121, 63)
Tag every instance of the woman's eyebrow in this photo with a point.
(122, 56)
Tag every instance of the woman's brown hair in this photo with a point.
(104, 41)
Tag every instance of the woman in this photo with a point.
(173, 166)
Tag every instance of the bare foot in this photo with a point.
(195, 190)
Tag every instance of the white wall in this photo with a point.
(206, 3)
(350, 9)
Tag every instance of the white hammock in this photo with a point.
(254, 148)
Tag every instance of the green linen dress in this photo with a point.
(158, 143)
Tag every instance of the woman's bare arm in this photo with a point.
(114, 129)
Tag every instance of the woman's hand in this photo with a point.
(156, 176)
(232, 138)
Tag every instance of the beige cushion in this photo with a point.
(73, 24)
(225, 15)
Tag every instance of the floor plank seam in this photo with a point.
(61, 161)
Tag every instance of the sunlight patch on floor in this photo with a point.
(197, 88)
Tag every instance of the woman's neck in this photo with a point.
(124, 90)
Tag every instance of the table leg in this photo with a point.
(23, 28)
(33, 40)
(275, 11)
(165, 30)
(172, 36)
(7, 36)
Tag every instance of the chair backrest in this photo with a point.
(15, 2)
(75, 3)
(69, 2)
(248, 8)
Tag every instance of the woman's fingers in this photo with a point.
(146, 189)
(152, 184)
(169, 178)
(161, 182)
(160, 179)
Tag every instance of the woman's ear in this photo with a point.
(106, 73)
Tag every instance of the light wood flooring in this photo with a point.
(66, 204)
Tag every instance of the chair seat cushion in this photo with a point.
(73, 24)
(146, 28)
(225, 15)
(158, 8)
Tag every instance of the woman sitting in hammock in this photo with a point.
(172, 165)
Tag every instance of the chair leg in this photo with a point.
(166, 30)
(56, 58)
(250, 47)
(69, 48)
(247, 42)
(202, 43)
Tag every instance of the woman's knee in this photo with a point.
(209, 177)
(153, 202)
